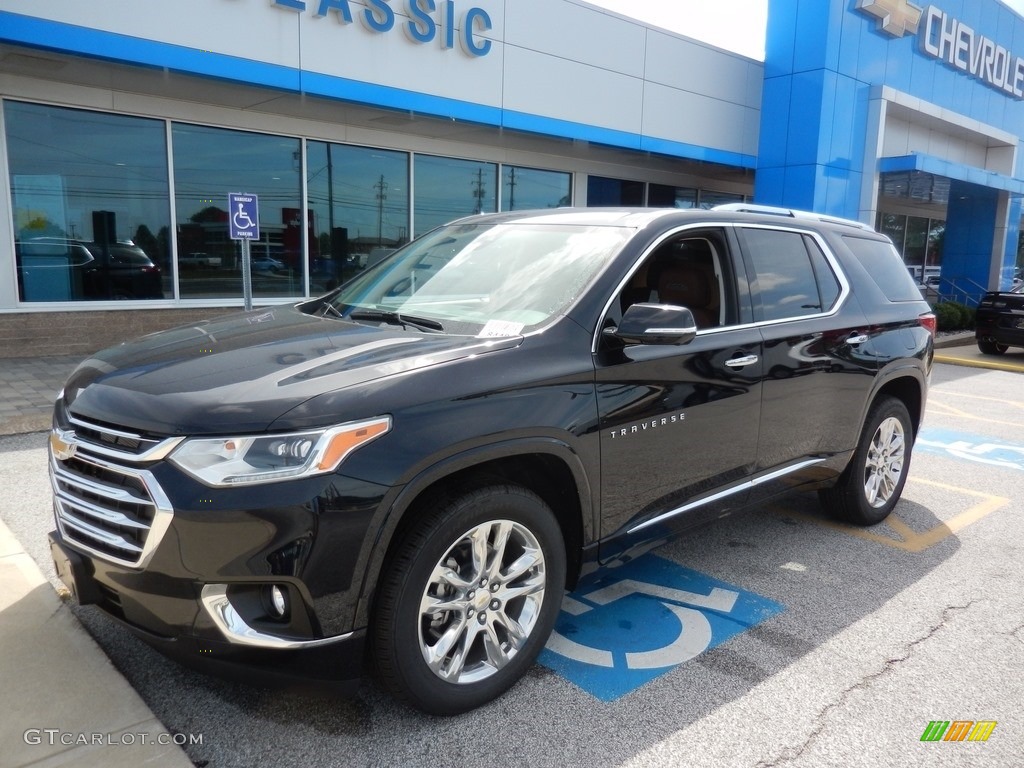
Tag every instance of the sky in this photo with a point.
(735, 25)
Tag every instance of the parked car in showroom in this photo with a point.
(413, 468)
(999, 320)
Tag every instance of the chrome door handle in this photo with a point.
(741, 362)
(858, 339)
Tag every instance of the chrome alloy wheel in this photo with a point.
(884, 464)
(482, 601)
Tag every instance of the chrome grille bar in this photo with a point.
(118, 513)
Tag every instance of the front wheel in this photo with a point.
(872, 483)
(989, 347)
(469, 599)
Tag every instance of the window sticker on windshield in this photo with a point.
(500, 328)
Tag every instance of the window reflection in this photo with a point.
(448, 189)
(90, 204)
(526, 188)
(709, 199)
(359, 206)
(210, 163)
(605, 192)
(664, 196)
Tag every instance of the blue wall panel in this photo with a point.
(823, 58)
(967, 251)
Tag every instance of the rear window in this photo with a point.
(886, 268)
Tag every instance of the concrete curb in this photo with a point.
(65, 703)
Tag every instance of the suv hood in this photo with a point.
(240, 373)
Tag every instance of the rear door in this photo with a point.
(818, 364)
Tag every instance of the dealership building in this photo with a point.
(357, 125)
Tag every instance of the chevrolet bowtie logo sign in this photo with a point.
(896, 17)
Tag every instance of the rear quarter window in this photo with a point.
(886, 268)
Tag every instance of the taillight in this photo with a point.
(927, 320)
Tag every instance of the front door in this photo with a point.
(679, 423)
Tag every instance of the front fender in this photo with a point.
(398, 503)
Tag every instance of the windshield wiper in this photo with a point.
(328, 307)
(394, 318)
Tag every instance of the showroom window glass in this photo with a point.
(358, 209)
(210, 163)
(709, 199)
(448, 189)
(664, 196)
(90, 204)
(523, 189)
(613, 193)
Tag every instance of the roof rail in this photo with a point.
(792, 213)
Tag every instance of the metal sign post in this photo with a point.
(244, 225)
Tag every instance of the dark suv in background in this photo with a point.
(62, 269)
(414, 467)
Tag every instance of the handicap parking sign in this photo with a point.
(244, 216)
(626, 627)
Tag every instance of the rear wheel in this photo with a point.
(872, 483)
(469, 599)
(990, 347)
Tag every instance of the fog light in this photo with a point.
(276, 599)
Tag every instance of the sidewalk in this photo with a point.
(64, 702)
(963, 351)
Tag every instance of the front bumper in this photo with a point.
(188, 568)
(223, 643)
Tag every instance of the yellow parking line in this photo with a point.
(965, 396)
(948, 410)
(978, 363)
(910, 540)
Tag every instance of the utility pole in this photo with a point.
(512, 189)
(382, 189)
(479, 191)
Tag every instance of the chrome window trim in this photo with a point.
(844, 284)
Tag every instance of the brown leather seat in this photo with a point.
(691, 285)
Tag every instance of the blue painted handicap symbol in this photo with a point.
(626, 627)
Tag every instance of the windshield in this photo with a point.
(484, 279)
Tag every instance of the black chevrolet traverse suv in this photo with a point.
(413, 468)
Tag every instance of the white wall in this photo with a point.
(550, 61)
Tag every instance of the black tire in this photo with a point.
(873, 481)
(476, 655)
(989, 347)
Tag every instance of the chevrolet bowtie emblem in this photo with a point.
(895, 17)
(61, 445)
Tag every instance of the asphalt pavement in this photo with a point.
(877, 638)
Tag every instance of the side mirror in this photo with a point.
(656, 324)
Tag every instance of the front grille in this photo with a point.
(109, 441)
(102, 503)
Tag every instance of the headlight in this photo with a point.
(228, 461)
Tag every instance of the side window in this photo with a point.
(828, 285)
(690, 270)
(787, 282)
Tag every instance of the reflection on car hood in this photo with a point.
(240, 373)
